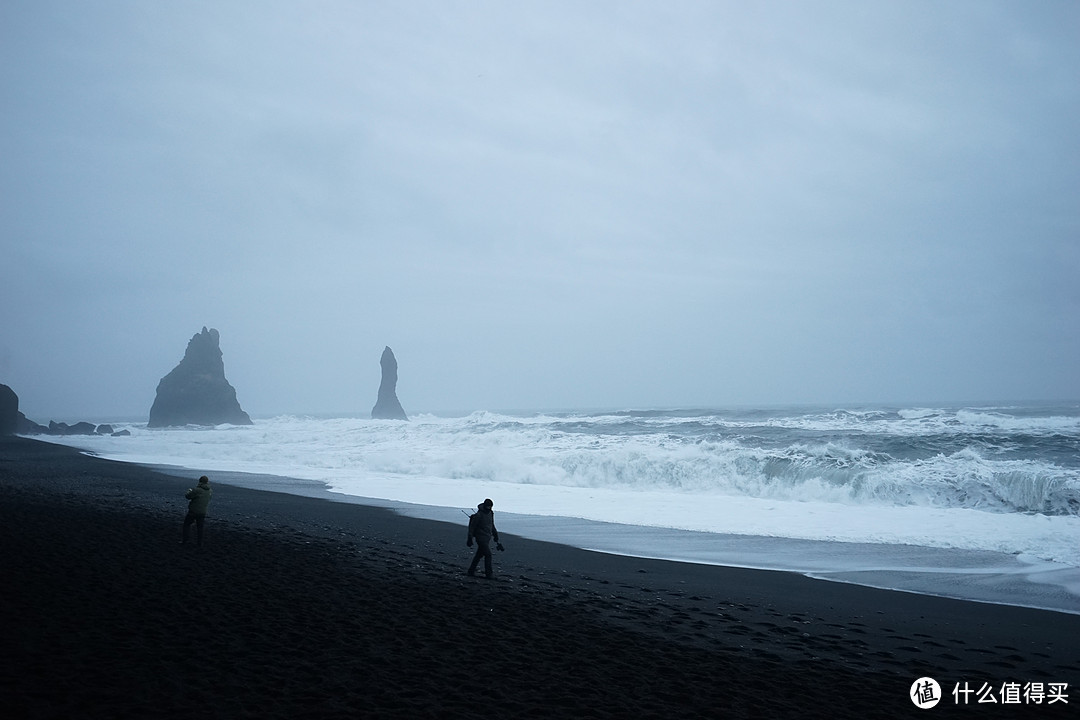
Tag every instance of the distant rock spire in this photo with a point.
(196, 391)
(387, 406)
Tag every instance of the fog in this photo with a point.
(540, 205)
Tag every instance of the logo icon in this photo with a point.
(925, 693)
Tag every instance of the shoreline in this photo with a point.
(962, 550)
(966, 575)
(306, 606)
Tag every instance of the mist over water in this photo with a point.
(1003, 480)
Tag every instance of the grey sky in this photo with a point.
(540, 204)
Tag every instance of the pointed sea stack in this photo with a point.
(196, 391)
(387, 406)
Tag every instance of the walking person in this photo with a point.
(482, 529)
(199, 498)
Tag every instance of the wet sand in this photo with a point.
(302, 607)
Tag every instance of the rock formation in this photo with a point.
(9, 411)
(29, 427)
(79, 428)
(13, 422)
(196, 391)
(387, 406)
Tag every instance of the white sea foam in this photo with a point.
(960, 483)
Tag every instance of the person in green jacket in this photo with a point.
(199, 498)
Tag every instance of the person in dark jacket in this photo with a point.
(482, 529)
(198, 500)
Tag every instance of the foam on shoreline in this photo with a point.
(980, 576)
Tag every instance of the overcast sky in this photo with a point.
(540, 205)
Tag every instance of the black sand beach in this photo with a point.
(304, 608)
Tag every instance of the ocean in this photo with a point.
(977, 502)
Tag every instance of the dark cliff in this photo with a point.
(9, 411)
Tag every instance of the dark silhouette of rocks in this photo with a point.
(9, 411)
(387, 406)
(29, 427)
(14, 422)
(26, 426)
(196, 391)
(80, 428)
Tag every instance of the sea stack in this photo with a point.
(196, 391)
(387, 406)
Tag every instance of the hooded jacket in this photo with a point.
(482, 524)
(199, 497)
